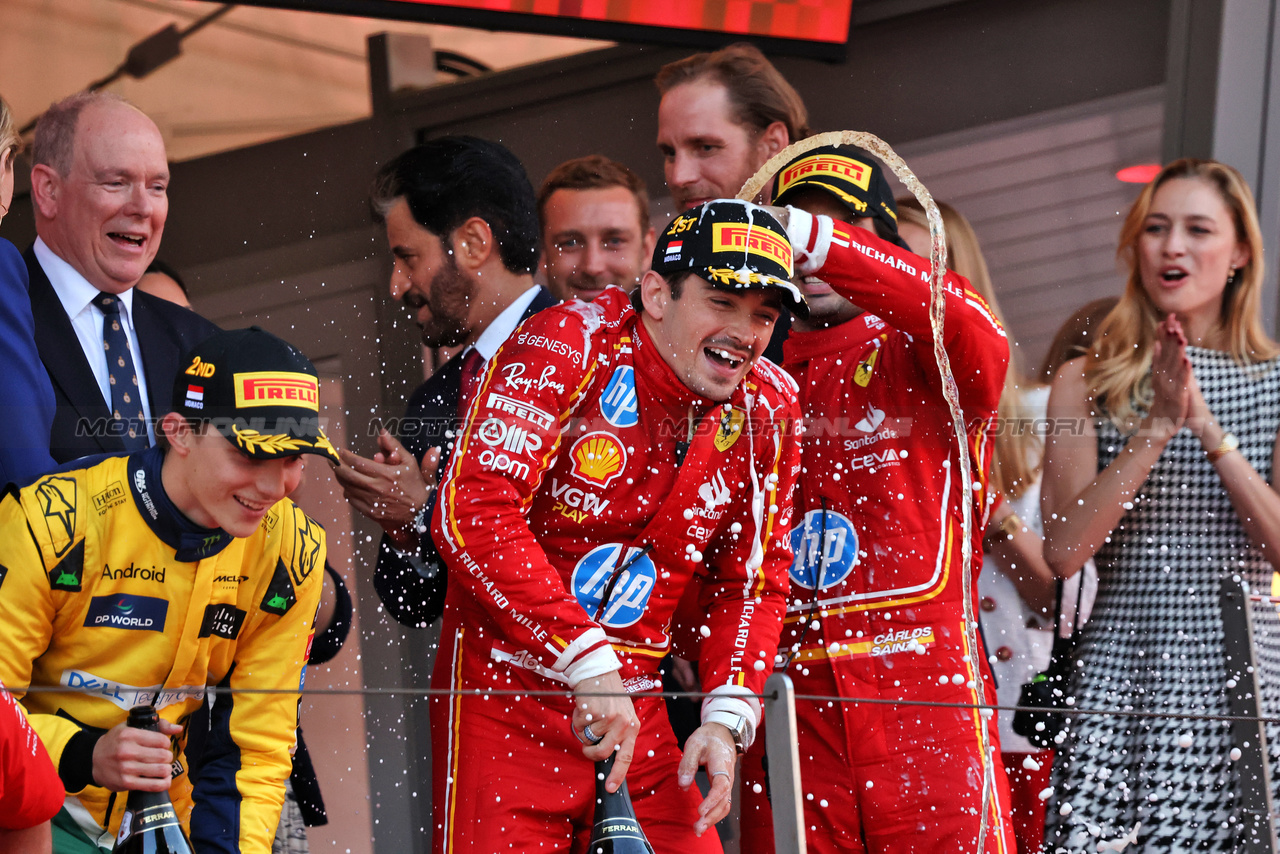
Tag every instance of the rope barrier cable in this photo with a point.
(691, 695)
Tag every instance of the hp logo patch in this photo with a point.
(631, 593)
(619, 403)
(837, 554)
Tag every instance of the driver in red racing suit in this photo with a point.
(653, 440)
(876, 607)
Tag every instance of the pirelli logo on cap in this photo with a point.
(277, 388)
(737, 236)
(847, 168)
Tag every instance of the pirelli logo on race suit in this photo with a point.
(854, 171)
(524, 411)
(273, 388)
(756, 240)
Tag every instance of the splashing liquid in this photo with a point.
(950, 391)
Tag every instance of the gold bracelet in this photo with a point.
(1009, 526)
(1228, 444)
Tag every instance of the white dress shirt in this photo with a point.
(76, 295)
(503, 325)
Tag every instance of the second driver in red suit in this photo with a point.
(617, 451)
(876, 608)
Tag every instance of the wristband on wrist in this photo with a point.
(1007, 529)
(1228, 444)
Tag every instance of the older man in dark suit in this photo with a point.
(99, 187)
(459, 213)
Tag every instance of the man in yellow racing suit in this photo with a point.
(147, 578)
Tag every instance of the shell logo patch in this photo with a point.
(598, 458)
(730, 429)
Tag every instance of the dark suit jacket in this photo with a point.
(165, 332)
(26, 398)
(412, 595)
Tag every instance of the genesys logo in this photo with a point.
(124, 611)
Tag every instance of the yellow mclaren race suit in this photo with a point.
(109, 593)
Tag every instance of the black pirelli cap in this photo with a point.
(258, 390)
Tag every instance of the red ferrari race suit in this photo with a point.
(568, 465)
(879, 520)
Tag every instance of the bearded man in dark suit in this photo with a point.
(99, 187)
(461, 224)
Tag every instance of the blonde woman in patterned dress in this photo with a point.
(1159, 465)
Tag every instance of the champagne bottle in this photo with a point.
(150, 824)
(616, 830)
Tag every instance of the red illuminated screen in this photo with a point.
(809, 20)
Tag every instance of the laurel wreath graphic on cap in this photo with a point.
(725, 276)
(271, 443)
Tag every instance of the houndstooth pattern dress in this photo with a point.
(1154, 643)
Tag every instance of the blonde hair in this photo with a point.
(1017, 447)
(1118, 371)
(10, 140)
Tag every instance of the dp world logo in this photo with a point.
(631, 593)
(619, 403)
(833, 547)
